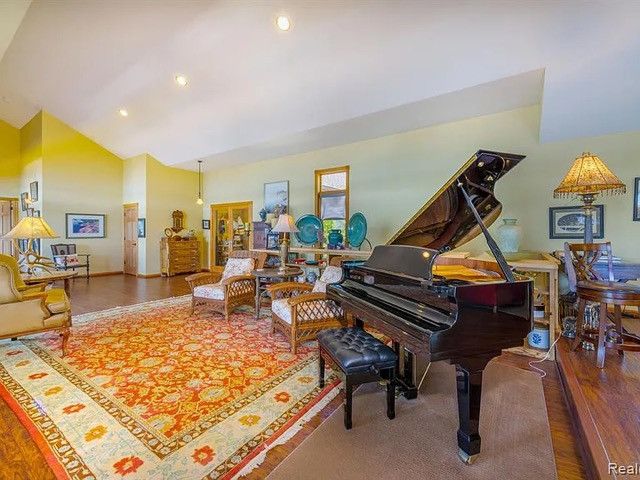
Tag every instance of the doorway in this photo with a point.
(130, 239)
(8, 220)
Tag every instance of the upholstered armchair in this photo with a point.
(235, 286)
(26, 311)
(301, 310)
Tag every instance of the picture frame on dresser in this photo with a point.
(636, 199)
(568, 222)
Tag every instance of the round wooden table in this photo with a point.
(606, 293)
(266, 276)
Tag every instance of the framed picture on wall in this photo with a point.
(568, 222)
(636, 199)
(33, 191)
(276, 197)
(206, 224)
(85, 225)
(142, 227)
(24, 201)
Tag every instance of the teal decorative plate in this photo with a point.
(357, 229)
(309, 226)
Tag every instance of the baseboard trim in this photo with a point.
(103, 274)
(148, 275)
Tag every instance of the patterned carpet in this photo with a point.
(148, 391)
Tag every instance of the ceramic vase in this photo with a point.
(335, 238)
(509, 235)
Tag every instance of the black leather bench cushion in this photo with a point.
(355, 350)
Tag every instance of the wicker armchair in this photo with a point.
(235, 286)
(300, 310)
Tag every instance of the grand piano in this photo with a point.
(440, 308)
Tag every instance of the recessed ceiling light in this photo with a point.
(181, 80)
(283, 23)
(123, 112)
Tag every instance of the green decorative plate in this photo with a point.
(357, 229)
(309, 226)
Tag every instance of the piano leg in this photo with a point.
(469, 385)
(405, 378)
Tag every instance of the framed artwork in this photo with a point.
(636, 199)
(568, 222)
(85, 225)
(24, 201)
(276, 197)
(142, 227)
(206, 224)
(33, 191)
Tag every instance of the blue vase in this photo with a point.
(335, 238)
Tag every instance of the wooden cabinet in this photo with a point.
(543, 269)
(179, 256)
(230, 224)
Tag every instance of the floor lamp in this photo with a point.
(587, 177)
(30, 229)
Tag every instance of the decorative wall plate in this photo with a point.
(309, 226)
(357, 229)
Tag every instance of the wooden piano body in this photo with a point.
(460, 310)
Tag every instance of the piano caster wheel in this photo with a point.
(466, 458)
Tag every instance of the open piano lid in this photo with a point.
(445, 221)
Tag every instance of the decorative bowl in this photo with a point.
(357, 229)
(309, 226)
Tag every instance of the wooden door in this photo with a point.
(131, 239)
(8, 220)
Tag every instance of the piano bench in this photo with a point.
(363, 359)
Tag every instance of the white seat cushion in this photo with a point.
(306, 310)
(237, 266)
(331, 274)
(282, 308)
(213, 291)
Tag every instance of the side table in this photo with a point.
(51, 277)
(266, 276)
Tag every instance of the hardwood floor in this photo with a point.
(21, 459)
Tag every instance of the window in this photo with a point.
(332, 198)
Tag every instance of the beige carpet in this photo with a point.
(421, 442)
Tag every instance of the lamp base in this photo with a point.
(284, 254)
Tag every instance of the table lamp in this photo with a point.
(30, 228)
(285, 225)
(587, 177)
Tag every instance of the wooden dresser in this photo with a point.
(179, 256)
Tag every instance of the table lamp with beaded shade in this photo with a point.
(285, 225)
(587, 177)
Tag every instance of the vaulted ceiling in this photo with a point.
(344, 71)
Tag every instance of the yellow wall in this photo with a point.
(80, 176)
(134, 190)
(31, 159)
(9, 160)
(168, 189)
(393, 176)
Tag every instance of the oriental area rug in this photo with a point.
(148, 391)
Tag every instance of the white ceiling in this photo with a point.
(11, 14)
(344, 72)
